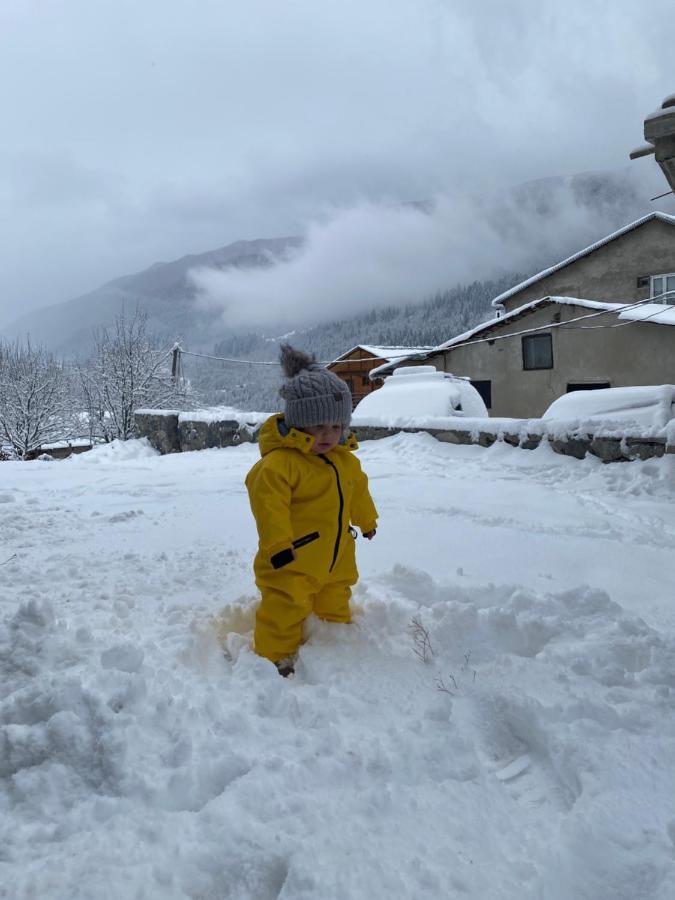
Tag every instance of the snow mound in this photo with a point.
(115, 452)
(55, 735)
(419, 392)
(631, 409)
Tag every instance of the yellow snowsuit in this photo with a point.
(294, 492)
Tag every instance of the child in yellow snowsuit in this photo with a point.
(305, 492)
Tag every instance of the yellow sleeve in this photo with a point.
(269, 492)
(363, 512)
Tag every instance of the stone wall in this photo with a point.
(160, 427)
(170, 434)
(170, 431)
(198, 435)
(608, 449)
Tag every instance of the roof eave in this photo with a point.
(498, 301)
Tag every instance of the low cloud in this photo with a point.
(372, 255)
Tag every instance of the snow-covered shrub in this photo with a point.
(125, 373)
(36, 398)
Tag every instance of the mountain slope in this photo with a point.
(544, 220)
(163, 290)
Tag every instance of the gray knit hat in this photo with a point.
(313, 395)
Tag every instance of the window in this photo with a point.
(484, 388)
(585, 386)
(537, 351)
(663, 288)
(643, 281)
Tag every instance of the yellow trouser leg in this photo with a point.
(332, 602)
(278, 623)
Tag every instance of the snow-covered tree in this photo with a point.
(126, 373)
(36, 398)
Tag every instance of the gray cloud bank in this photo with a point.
(372, 255)
(135, 132)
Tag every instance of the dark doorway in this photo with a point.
(484, 388)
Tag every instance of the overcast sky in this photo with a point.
(137, 132)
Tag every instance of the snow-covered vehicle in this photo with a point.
(420, 392)
(649, 407)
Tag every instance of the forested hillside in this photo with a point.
(254, 387)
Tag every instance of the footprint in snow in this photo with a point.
(126, 515)
(514, 748)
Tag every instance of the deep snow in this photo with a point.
(530, 757)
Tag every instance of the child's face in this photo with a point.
(325, 437)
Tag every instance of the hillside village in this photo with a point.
(601, 318)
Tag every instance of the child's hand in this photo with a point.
(370, 534)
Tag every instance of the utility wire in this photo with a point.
(569, 324)
(260, 362)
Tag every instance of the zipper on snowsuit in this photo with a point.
(340, 510)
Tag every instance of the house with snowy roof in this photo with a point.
(523, 360)
(600, 318)
(637, 262)
(355, 366)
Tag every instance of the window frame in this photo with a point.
(663, 296)
(535, 337)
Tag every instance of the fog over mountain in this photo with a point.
(368, 256)
(164, 291)
(354, 260)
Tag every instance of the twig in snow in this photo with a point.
(13, 556)
(422, 642)
(467, 657)
(442, 686)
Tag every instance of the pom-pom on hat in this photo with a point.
(313, 395)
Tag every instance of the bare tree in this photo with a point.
(125, 373)
(36, 404)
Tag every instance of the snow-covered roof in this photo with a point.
(662, 112)
(388, 353)
(656, 313)
(662, 217)
(596, 305)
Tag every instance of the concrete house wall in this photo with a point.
(634, 354)
(611, 271)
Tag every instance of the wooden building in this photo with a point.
(355, 366)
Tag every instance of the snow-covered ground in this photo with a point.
(531, 756)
